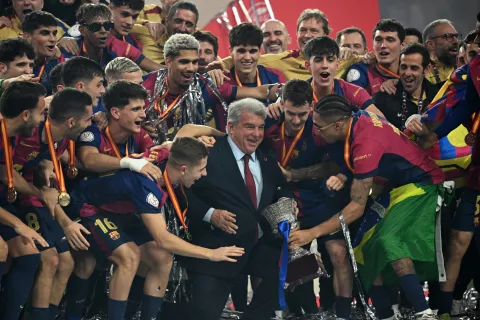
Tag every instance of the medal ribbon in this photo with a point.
(476, 124)
(346, 149)
(42, 69)
(114, 144)
(239, 83)
(315, 97)
(8, 155)
(173, 197)
(287, 155)
(53, 155)
(157, 103)
(71, 153)
(387, 71)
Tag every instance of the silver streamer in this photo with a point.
(369, 314)
(183, 112)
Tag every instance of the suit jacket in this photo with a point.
(224, 188)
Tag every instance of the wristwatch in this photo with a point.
(278, 92)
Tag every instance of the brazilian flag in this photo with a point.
(401, 223)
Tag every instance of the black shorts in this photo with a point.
(467, 214)
(6, 232)
(109, 231)
(40, 220)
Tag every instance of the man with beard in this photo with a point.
(396, 243)
(98, 44)
(69, 114)
(414, 93)
(468, 208)
(442, 40)
(40, 29)
(22, 106)
(468, 49)
(182, 18)
(388, 40)
(169, 89)
(21, 8)
(208, 49)
(276, 38)
(245, 43)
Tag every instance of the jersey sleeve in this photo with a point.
(357, 76)
(359, 97)
(227, 92)
(366, 156)
(91, 137)
(145, 142)
(124, 49)
(145, 194)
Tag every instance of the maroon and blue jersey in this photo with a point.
(114, 48)
(266, 76)
(130, 39)
(124, 192)
(357, 96)
(45, 77)
(212, 104)
(380, 150)
(367, 77)
(315, 203)
(29, 152)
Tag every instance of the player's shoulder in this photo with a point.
(356, 71)
(90, 134)
(273, 57)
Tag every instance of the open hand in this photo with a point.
(225, 254)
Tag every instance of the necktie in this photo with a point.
(249, 181)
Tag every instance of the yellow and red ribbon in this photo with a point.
(287, 155)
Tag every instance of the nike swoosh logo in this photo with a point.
(375, 85)
(26, 145)
(107, 149)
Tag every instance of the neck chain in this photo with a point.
(404, 106)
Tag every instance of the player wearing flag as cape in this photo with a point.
(296, 148)
(467, 222)
(396, 242)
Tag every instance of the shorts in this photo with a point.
(109, 231)
(7, 233)
(40, 220)
(467, 214)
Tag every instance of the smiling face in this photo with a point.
(245, 58)
(248, 132)
(95, 88)
(32, 118)
(19, 66)
(182, 68)
(43, 40)
(387, 46)
(183, 21)
(124, 18)
(190, 174)
(295, 116)
(323, 69)
(308, 29)
(411, 72)
(206, 55)
(131, 116)
(275, 37)
(77, 125)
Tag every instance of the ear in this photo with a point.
(115, 113)
(231, 51)
(430, 45)
(82, 29)
(70, 122)
(289, 39)
(59, 87)
(80, 86)
(183, 168)
(402, 45)
(25, 115)
(3, 67)
(168, 61)
(308, 66)
(27, 36)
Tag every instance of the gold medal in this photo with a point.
(11, 195)
(64, 199)
(470, 139)
(72, 172)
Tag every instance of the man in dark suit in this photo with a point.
(224, 209)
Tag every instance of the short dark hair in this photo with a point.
(298, 92)
(245, 34)
(320, 46)
(185, 5)
(351, 30)
(414, 32)
(469, 38)
(205, 36)
(13, 48)
(80, 69)
(68, 103)
(56, 76)
(20, 96)
(316, 14)
(390, 25)
(334, 106)
(89, 11)
(419, 48)
(36, 19)
(136, 5)
(120, 92)
(187, 151)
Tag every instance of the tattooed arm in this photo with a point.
(354, 210)
(317, 171)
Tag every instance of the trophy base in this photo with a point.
(304, 269)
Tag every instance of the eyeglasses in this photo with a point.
(97, 26)
(449, 36)
(322, 129)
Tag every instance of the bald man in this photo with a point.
(275, 36)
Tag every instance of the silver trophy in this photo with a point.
(303, 266)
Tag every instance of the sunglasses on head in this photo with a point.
(97, 26)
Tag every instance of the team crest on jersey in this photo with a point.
(86, 136)
(114, 235)
(152, 200)
(353, 75)
(32, 155)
